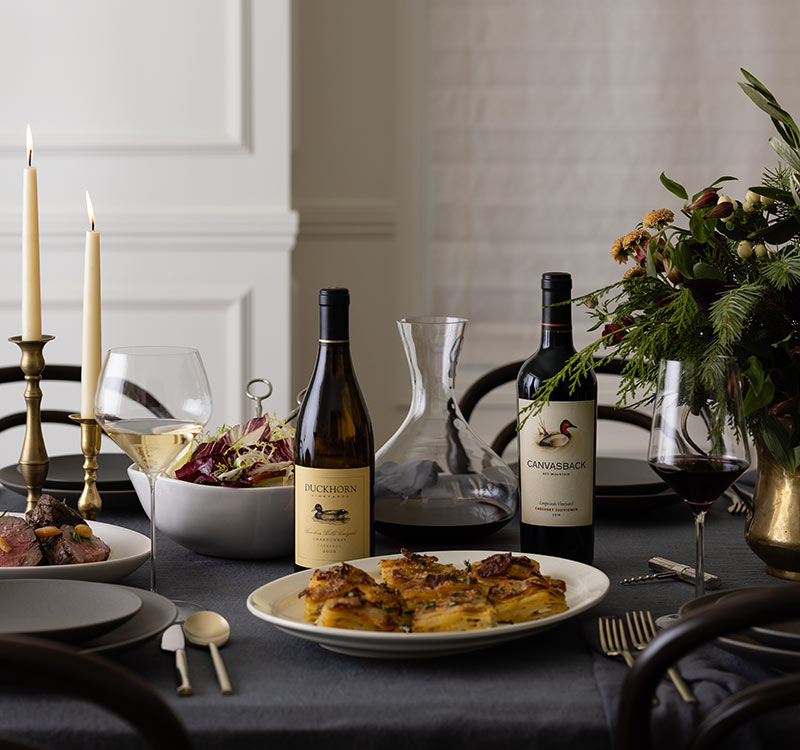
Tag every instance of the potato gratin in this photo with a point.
(419, 594)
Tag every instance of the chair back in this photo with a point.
(48, 666)
(760, 606)
(71, 373)
(508, 374)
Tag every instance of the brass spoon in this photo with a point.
(210, 629)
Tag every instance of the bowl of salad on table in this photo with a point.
(231, 494)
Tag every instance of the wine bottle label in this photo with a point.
(331, 515)
(556, 458)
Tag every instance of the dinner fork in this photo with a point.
(736, 505)
(739, 500)
(614, 643)
(642, 630)
(612, 639)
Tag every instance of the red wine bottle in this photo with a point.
(557, 446)
(334, 502)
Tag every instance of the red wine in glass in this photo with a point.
(700, 480)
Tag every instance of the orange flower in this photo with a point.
(635, 238)
(657, 219)
(633, 272)
(618, 252)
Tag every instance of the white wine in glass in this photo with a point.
(151, 401)
(153, 444)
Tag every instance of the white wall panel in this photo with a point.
(175, 115)
(128, 76)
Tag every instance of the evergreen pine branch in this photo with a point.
(782, 271)
(730, 311)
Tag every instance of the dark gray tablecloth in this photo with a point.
(539, 692)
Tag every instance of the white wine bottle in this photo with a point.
(557, 446)
(334, 451)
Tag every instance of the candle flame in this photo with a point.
(90, 209)
(29, 141)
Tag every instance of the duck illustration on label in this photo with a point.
(338, 515)
(548, 439)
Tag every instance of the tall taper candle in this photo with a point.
(31, 286)
(90, 359)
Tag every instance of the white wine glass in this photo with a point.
(151, 401)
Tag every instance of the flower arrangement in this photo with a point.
(725, 282)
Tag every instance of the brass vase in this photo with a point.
(772, 529)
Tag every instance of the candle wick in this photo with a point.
(30, 155)
(93, 225)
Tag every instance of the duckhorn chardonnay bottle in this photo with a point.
(334, 451)
(557, 446)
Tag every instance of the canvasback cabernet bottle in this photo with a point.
(334, 451)
(557, 446)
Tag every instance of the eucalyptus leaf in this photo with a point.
(771, 109)
(756, 84)
(786, 153)
(794, 185)
(674, 187)
(785, 133)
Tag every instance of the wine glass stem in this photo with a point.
(699, 567)
(151, 478)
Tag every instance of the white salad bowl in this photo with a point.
(232, 522)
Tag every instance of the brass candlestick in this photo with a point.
(33, 461)
(89, 503)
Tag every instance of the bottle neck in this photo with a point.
(334, 325)
(556, 319)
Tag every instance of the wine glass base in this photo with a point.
(185, 608)
(663, 622)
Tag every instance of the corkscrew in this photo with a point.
(259, 397)
(668, 569)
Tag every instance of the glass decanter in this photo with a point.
(436, 481)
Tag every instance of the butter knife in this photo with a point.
(173, 640)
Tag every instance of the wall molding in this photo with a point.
(241, 229)
(234, 301)
(235, 136)
(347, 220)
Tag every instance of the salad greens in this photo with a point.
(257, 453)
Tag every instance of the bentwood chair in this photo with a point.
(50, 667)
(508, 374)
(760, 606)
(71, 373)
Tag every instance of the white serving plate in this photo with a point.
(129, 549)
(279, 604)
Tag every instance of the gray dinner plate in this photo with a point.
(782, 635)
(64, 610)
(742, 644)
(65, 480)
(155, 616)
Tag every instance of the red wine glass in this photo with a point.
(698, 441)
